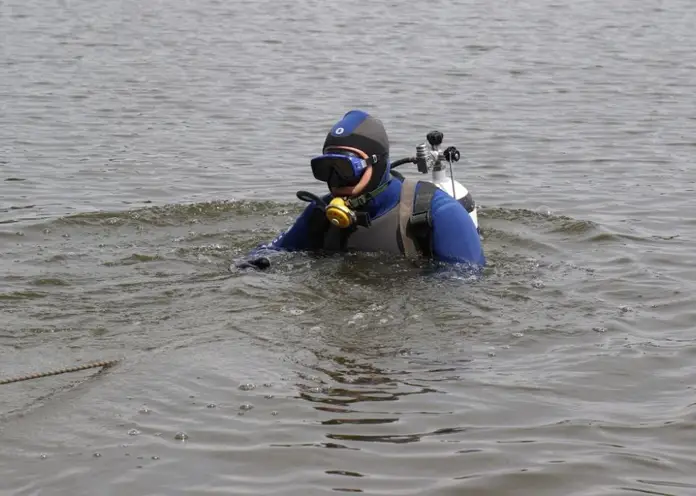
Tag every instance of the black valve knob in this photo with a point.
(451, 154)
(434, 138)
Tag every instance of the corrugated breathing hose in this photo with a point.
(102, 364)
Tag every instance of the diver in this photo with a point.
(372, 208)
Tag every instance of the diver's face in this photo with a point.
(354, 190)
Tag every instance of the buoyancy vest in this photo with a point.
(405, 229)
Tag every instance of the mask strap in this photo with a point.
(361, 200)
(369, 160)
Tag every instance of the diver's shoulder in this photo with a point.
(441, 199)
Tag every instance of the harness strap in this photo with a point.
(336, 239)
(421, 222)
(408, 190)
(317, 227)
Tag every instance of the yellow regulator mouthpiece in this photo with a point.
(339, 214)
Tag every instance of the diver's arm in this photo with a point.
(455, 238)
(294, 239)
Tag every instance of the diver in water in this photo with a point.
(371, 208)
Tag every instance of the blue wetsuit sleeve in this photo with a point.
(294, 239)
(455, 238)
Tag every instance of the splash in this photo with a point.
(178, 214)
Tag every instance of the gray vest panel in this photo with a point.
(382, 235)
(385, 232)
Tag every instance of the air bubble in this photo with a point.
(356, 317)
(181, 436)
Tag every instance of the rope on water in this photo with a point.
(104, 364)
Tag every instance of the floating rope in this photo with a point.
(105, 364)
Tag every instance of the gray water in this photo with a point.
(146, 145)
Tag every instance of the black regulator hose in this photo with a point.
(310, 197)
(401, 161)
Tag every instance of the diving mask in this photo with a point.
(340, 167)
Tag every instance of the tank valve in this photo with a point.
(422, 155)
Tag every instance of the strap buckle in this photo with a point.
(420, 222)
